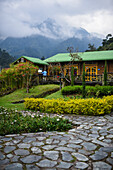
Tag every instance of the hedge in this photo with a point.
(73, 106)
(98, 91)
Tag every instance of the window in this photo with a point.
(22, 60)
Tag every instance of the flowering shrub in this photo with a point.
(19, 75)
(12, 121)
(73, 106)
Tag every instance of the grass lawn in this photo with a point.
(20, 94)
(55, 95)
(58, 94)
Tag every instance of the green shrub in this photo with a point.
(12, 122)
(71, 90)
(97, 91)
(73, 106)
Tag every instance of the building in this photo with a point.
(36, 61)
(94, 63)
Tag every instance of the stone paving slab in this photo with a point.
(89, 145)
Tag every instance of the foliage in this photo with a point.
(105, 74)
(5, 59)
(91, 47)
(19, 75)
(83, 82)
(12, 121)
(107, 43)
(97, 91)
(67, 90)
(78, 106)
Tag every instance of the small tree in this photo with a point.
(83, 82)
(105, 74)
(74, 56)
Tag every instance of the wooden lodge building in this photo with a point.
(94, 64)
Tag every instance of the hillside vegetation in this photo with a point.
(5, 59)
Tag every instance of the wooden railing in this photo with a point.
(78, 79)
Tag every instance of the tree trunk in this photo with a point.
(27, 84)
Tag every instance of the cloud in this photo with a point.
(17, 16)
(100, 22)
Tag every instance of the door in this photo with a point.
(91, 72)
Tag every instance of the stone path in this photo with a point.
(87, 146)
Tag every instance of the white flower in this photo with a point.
(58, 119)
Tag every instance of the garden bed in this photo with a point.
(14, 122)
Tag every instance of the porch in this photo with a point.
(90, 79)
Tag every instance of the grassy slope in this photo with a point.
(55, 95)
(20, 94)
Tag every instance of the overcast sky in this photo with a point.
(16, 16)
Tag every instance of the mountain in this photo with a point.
(79, 44)
(52, 39)
(34, 46)
(51, 29)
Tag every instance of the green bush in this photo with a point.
(12, 122)
(71, 90)
(97, 91)
(73, 106)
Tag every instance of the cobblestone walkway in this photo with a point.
(87, 146)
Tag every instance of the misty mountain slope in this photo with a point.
(78, 44)
(53, 39)
(35, 46)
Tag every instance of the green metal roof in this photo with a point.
(34, 60)
(86, 56)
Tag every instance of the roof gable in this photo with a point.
(34, 60)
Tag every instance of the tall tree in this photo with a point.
(105, 74)
(5, 59)
(91, 47)
(107, 36)
(107, 43)
(83, 82)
